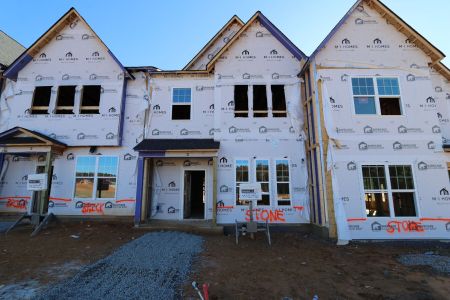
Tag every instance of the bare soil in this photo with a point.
(299, 267)
(295, 266)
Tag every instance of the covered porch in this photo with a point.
(177, 180)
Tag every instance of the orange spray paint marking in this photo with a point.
(298, 208)
(17, 203)
(125, 200)
(266, 215)
(404, 226)
(89, 208)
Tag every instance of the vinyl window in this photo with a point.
(262, 171)
(181, 104)
(376, 97)
(41, 100)
(242, 176)
(96, 173)
(389, 198)
(283, 188)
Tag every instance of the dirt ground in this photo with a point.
(296, 266)
(299, 267)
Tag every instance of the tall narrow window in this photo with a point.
(97, 174)
(283, 191)
(90, 99)
(389, 96)
(262, 176)
(181, 104)
(65, 100)
(402, 185)
(278, 101)
(260, 108)
(241, 101)
(375, 191)
(84, 177)
(106, 177)
(364, 96)
(242, 176)
(41, 100)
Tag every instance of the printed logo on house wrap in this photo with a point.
(423, 166)
(412, 77)
(234, 129)
(184, 131)
(280, 76)
(245, 55)
(224, 164)
(129, 156)
(363, 146)
(70, 77)
(42, 58)
(161, 132)
(171, 188)
(345, 44)
(69, 57)
(402, 146)
(377, 44)
(251, 76)
(157, 111)
(407, 44)
(443, 197)
(64, 36)
(273, 55)
(225, 189)
(404, 129)
(359, 21)
(95, 57)
(369, 129)
(83, 136)
(264, 129)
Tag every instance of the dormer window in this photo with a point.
(90, 99)
(41, 100)
(66, 99)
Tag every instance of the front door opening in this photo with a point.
(194, 195)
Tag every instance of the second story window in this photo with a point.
(241, 101)
(41, 100)
(66, 99)
(376, 97)
(181, 104)
(278, 101)
(90, 99)
(260, 108)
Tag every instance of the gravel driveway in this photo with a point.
(151, 267)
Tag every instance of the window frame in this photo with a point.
(389, 189)
(288, 182)
(173, 103)
(271, 109)
(95, 177)
(269, 182)
(81, 107)
(377, 97)
(239, 182)
(41, 107)
(66, 107)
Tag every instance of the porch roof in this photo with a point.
(176, 144)
(19, 136)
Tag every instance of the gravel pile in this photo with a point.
(151, 267)
(437, 262)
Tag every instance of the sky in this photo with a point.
(169, 33)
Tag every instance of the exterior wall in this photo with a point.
(258, 58)
(13, 187)
(73, 57)
(414, 138)
(168, 186)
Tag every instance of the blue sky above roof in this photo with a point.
(167, 34)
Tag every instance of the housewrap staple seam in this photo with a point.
(365, 66)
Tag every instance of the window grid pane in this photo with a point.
(181, 95)
(363, 86)
(401, 177)
(374, 178)
(388, 86)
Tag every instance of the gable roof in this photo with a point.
(272, 29)
(19, 136)
(213, 40)
(37, 46)
(10, 49)
(434, 53)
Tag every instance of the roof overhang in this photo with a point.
(177, 145)
(19, 139)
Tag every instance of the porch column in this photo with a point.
(214, 190)
(139, 187)
(45, 195)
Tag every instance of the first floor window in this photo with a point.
(96, 173)
(283, 193)
(41, 100)
(383, 198)
(242, 176)
(262, 176)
